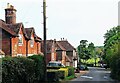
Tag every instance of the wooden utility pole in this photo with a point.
(44, 31)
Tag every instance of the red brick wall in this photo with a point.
(5, 42)
(35, 49)
(38, 47)
(16, 48)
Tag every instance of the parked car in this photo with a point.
(55, 64)
(82, 67)
(104, 66)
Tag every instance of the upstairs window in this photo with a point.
(32, 42)
(20, 42)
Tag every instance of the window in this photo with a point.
(32, 42)
(20, 42)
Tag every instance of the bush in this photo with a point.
(52, 75)
(70, 71)
(115, 66)
(61, 74)
(39, 67)
(66, 71)
(17, 70)
(23, 70)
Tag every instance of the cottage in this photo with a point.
(61, 51)
(17, 40)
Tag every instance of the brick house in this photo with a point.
(61, 51)
(17, 40)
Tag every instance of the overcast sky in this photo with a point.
(73, 20)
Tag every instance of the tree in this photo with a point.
(112, 38)
(83, 51)
(112, 50)
(92, 52)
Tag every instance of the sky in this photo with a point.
(73, 20)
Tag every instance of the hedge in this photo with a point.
(23, 70)
(39, 67)
(63, 73)
(17, 70)
(52, 75)
(70, 71)
(115, 66)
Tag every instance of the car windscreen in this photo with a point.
(52, 64)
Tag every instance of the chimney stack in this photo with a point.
(10, 14)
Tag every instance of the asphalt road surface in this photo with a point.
(95, 74)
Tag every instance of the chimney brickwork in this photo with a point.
(10, 14)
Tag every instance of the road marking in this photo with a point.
(87, 77)
(105, 77)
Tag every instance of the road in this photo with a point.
(95, 74)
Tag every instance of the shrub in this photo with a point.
(39, 67)
(70, 71)
(52, 76)
(17, 70)
(115, 66)
(23, 70)
(66, 71)
(61, 74)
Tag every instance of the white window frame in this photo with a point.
(32, 42)
(20, 41)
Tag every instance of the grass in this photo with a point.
(91, 61)
(68, 78)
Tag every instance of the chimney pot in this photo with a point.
(10, 14)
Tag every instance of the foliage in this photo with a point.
(69, 77)
(66, 71)
(82, 50)
(63, 73)
(112, 49)
(53, 75)
(17, 70)
(115, 66)
(88, 51)
(39, 67)
(23, 70)
(70, 71)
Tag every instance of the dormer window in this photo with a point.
(32, 42)
(20, 42)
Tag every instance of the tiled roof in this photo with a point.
(13, 29)
(4, 26)
(16, 27)
(59, 45)
(66, 45)
(29, 32)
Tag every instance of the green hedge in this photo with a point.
(17, 70)
(57, 73)
(70, 71)
(23, 70)
(115, 66)
(53, 76)
(39, 67)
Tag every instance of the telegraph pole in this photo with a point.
(44, 27)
